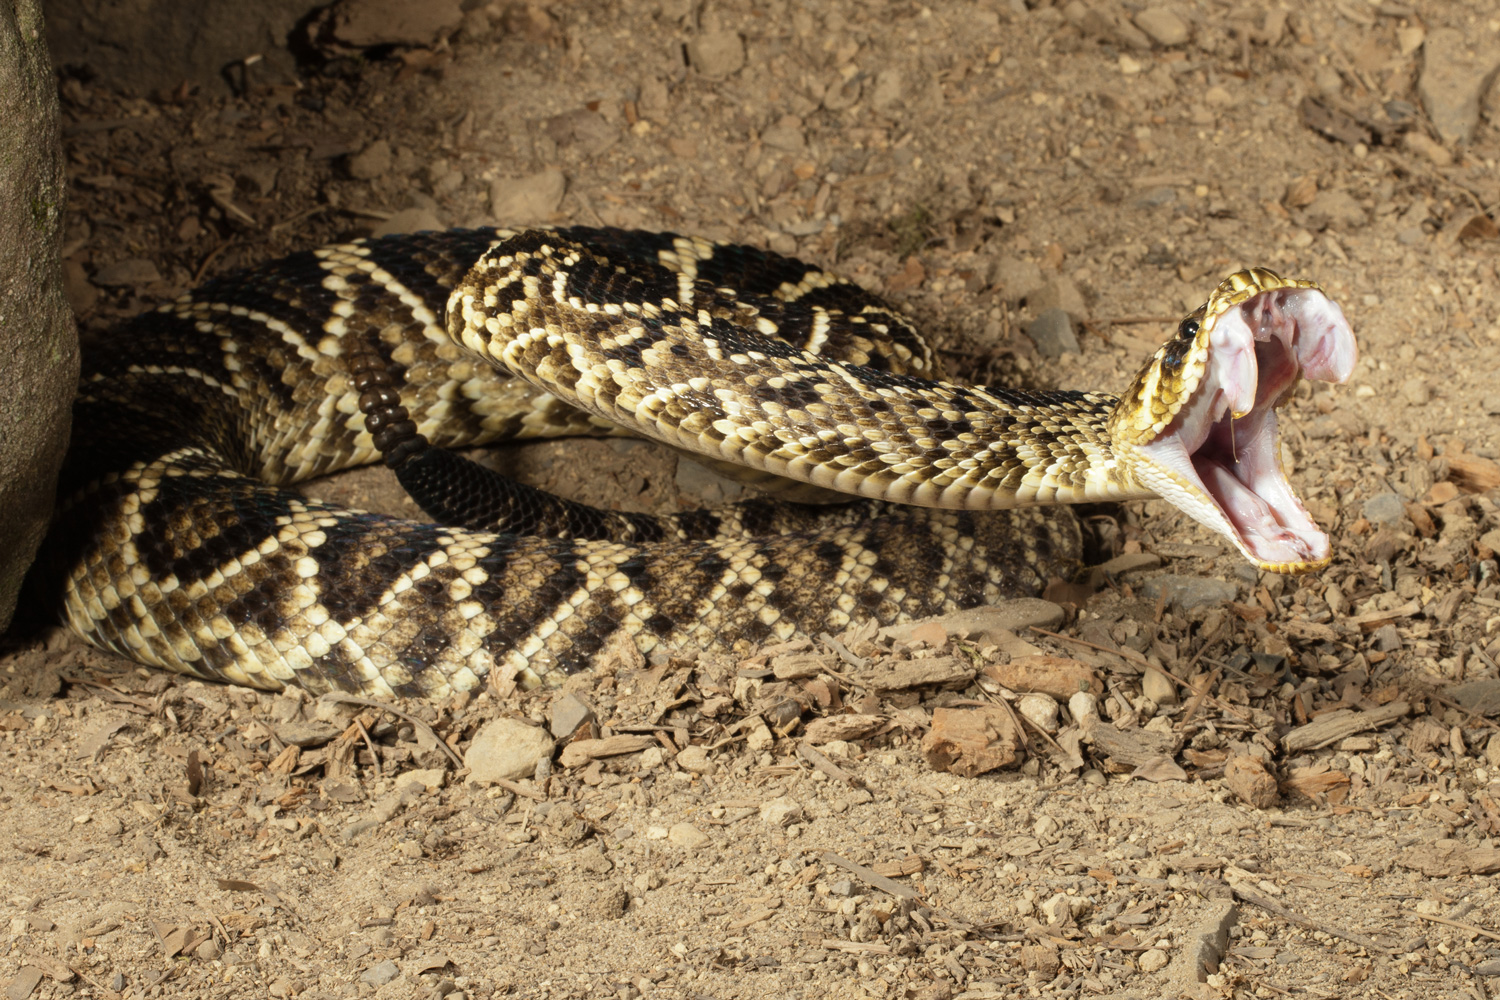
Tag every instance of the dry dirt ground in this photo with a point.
(1307, 763)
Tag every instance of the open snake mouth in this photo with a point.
(1222, 446)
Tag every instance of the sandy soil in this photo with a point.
(977, 163)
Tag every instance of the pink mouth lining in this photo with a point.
(1257, 351)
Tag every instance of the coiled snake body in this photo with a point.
(177, 542)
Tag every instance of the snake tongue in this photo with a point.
(1220, 459)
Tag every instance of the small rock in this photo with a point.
(1040, 710)
(890, 89)
(409, 220)
(1188, 592)
(1386, 509)
(688, 836)
(1057, 909)
(1130, 562)
(843, 888)
(1421, 144)
(1335, 210)
(785, 135)
(652, 758)
(1058, 292)
(1152, 960)
(525, 200)
(1457, 67)
(717, 54)
(128, 272)
(1416, 392)
(366, 23)
(1082, 706)
(781, 811)
(568, 713)
(380, 974)
(82, 295)
(1387, 639)
(1017, 278)
(1490, 968)
(373, 161)
(609, 904)
(760, 737)
(694, 759)
(208, 950)
(1052, 332)
(1248, 778)
(428, 778)
(1158, 687)
(506, 749)
(1162, 26)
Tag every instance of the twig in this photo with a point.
(1271, 906)
(350, 699)
(370, 745)
(1461, 926)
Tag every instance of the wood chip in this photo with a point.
(899, 675)
(1446, 858)
(841, 727)
(1335, 726)
(1057, 676)
(971, 741)
(1248, 778)
(580, 752)
(1127, 749)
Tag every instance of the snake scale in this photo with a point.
(179, 543)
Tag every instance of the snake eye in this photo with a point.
(1188, 329)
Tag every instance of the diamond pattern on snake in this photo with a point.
(181, 543)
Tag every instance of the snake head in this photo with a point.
(1197, 425)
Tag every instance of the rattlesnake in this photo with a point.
(177, 542)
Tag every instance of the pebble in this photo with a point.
(1057, 293)
(429, 778)
(1152, 960)
(1052, 332)
(568, 713)
(695, 760)
(782, 811)
(1387, 639)
(1336, 209)
(373, 161)
(527, 200)
(409, 220)
(506, 749)
(1162, 26)
(127, 272)
(1083, 705)
(1416, 392)
(1017, 278)
(381, 974)
(1423, 145)
(1491, 404)
(890, 89)
(1455, 73)
(1040, 710)
(1188, 592)
(688, 836)
(785, 135)
(717, 54)
(1388, 509)
(1158, 687)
